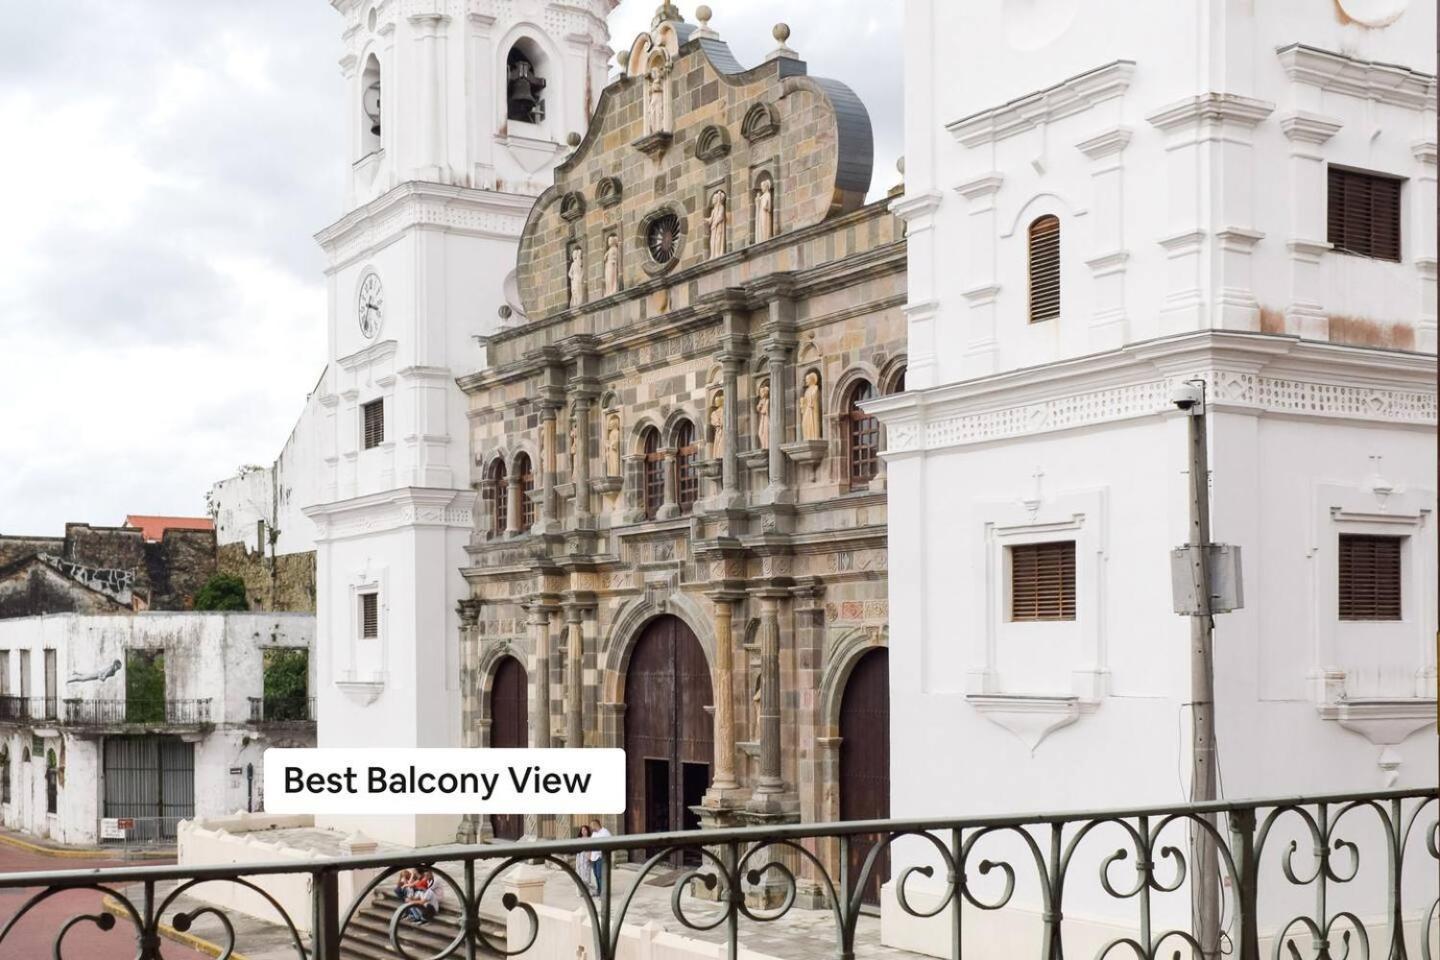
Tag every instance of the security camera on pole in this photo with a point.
(1206, 581)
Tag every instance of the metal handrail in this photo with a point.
(132, 711)
(282, 709)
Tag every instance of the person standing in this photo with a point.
(598, 831)
(583, 868)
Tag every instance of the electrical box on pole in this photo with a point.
(1227, 591)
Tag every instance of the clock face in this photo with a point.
(369, 305)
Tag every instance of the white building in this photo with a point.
(80, 740)
(1105, 199)
(451, 136)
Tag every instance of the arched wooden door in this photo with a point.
(669, 739)
(865, 760)
(509, 727)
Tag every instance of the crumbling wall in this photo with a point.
(284, 584)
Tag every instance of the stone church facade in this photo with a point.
(681, 523)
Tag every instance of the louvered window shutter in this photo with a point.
(1363, 214)
(1369, 577)
(1044, 269)
(1042, 581)
(373, 414)
(369, 615)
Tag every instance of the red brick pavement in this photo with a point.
(33, 937)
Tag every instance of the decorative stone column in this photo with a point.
(769, 785)
(540, 700)
(671, 507)
(1305, 314)
(574, 676)
(429, 33)
(979, 345)
(730, 454)
(546, 519)
(1109, 324)
(724, 780)
(515, 506)
(778, 360)
(471, 717)
(581, 412)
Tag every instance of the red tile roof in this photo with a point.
(153, 528)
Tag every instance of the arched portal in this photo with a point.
(509, 727)
(865, 760)
(669, 739)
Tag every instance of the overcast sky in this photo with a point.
(166, 165)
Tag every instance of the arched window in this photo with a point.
(1044, 268)
(899, 385)
(527, 486)
(863, 436)
(524, 85)
(500, 497)
(370, 107)
(654, 474)
(687, 466)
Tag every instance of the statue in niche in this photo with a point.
(810, 407)
(755, 708)
(764, 211)
(576, 274)
(612, 446)
(574, 449)
(762, 415)
(655, 102)
(612, 265)
(717, 425)
(716, 219)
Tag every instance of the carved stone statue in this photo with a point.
(764, 212)
(655, 102)
(717, 425)
(577, 277)
(810, 407)
(762, 415)
(612, 265)
(574, 449)
(612, 446)
(716, 219)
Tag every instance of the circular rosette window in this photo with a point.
(664, 235)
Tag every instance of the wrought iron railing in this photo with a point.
(282, 709)
(28, 709)
(104, 713)
(1359, 861)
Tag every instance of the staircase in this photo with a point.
(368, 936)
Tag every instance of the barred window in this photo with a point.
(1363, 215)
(1044, 269)
(1042, 581)
(1369, 577)
(373, 415)
(654, 474)
(369, 615)
(863, 435)
(500, 497)
(687, 466)
(527, 486)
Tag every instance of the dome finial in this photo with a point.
(703, 14)
(781, 33)
(666, 11)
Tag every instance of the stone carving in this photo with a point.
(572, 206)
(760, 123)
(612, 445)
(574, 449)
(712, 144)
(655, 102)
(716, 219)
(764, 212)
(810, 407)
(576, 274)
(717, 425)
(612, 265)
(762, 416)
(608, 191)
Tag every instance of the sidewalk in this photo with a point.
(32, 844)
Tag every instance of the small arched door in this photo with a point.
(509, 727)
(865, 760)
(669, 739)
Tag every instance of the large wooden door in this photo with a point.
(865, 760)
(509, 727)
(669, 739)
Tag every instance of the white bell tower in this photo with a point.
(459, 110)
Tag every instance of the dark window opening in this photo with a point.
(654, 474)
(687, 466)
(1042, 581)
(373, 416)
(52, 783)
(285, 685)
(500, 498)
(1044, 269)
(523, 88)
(527, 487)
(1369, 577)
(864, 437)
(662, 238)
(144, 686)
(369, 616)
(1363, 214)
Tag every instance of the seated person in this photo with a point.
(404, 882)
(424, 900)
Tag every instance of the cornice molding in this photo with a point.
(1212, 107)
(391, 509)
(416, 203)
(1302, 126)
(1064, 99)
(914, 206)
(1366, 79)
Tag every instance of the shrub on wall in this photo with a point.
(223, 591)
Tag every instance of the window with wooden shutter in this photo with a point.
(1369, 577)
(653, 489)
(369, 615)
(1363, 214)
(1044, 269)
(863, 438)
(527, 486)
(687, 466)
(1042, 581)
(373, 416)
(500, 498)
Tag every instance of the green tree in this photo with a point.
(223, 591)
(144, 686)
(287, 683)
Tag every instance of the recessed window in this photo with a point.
(1363, 215)
(863, 436)
(499, 497)
(654, 474)
(687, 466)
(1044, 269)
(1369, 577)
(662, 238)
(372, 416)
(524, 87)
(527, 487)
(1042, 581)
(369, 616)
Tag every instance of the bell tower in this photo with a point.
(458, 112)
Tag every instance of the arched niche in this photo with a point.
(371, 101)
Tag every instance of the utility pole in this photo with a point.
(1205, 890)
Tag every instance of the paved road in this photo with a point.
(33, 937)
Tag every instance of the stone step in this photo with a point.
(368, 935)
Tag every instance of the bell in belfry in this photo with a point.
(523, 91)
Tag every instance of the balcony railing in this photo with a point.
(1332, 877)
(106, 713)
(28, 709)
(282, 709)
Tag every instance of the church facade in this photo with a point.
(680, 545)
